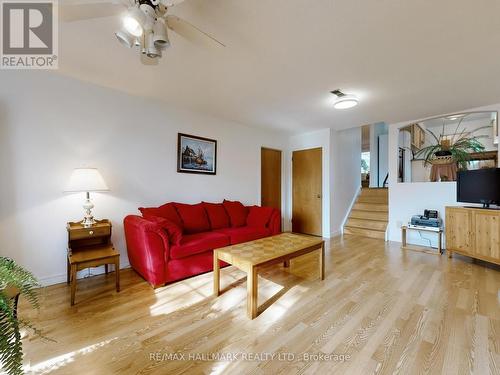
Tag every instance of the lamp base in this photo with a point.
(88, 219)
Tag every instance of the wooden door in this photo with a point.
(307, 191)
(270, 183)
(487, 234)
(459, 230)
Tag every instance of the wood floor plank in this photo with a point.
(379, 310)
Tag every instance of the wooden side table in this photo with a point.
(90, 247)
(425, 249)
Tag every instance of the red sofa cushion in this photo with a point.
(198, 243)
(237, 213)
(174, 231)
(217, 215)
(194, 218)
(259, 216)
(244, 234)
(166, 211)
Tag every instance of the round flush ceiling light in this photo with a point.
(344, 101)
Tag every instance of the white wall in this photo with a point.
(407, 199)
(50, 124)
(345, 176)
(320, 138)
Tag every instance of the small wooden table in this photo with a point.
(250, 256)
(90, 247)
(425, 249)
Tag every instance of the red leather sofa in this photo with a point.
(176, 240)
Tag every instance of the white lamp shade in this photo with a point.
(86, 179)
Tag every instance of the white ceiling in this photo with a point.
(404, 59)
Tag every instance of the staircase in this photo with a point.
(369, 215)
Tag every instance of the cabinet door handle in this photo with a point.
(91, 232)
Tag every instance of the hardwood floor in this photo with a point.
(383, 309)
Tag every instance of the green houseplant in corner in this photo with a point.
(15, 281)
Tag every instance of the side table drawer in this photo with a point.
(78, 234)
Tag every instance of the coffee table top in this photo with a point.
(268, 248)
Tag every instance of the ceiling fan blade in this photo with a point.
(191, 32)
(85, 11)
(145, 60)
(171, 3)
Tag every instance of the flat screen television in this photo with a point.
(479, 186)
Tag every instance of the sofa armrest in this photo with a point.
(275, 222)
(147, 248)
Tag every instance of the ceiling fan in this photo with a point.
(145, 24)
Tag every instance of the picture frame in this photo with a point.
(196, 154)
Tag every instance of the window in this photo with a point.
(365, 162)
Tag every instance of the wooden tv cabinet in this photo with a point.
(474, 232)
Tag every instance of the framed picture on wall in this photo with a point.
(196, 154)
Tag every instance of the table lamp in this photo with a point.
(86, 180)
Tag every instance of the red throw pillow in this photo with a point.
(166, 211)
(237, 213)
(259, 216)
(217, 215)
(173, 230)
(193, 216)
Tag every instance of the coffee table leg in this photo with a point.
(216, 274)
(252, 289)
(322, 261)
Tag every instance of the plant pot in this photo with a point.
(442, 153)
(442, 160)
(10, 291)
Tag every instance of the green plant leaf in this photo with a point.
(11, 350)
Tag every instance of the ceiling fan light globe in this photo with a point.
(134, 21)
(345, 102)
(153, 52)
(125, 38)
(132, 26)
(162, 44)
(160, 35)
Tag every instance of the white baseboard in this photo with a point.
(61, 278)
(336, 233)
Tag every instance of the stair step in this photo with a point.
(367, 224)
(374, 191)
(373, 215)
(374, 199)
(371, 207)
(365, 232)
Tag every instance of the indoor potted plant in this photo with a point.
(15, 281)
(454, 148)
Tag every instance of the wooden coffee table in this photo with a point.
(250, 256)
